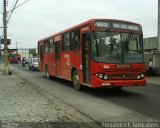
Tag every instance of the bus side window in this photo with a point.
(66, 42)
(46, 44)
(41, 52)
(75, 40)
(51, 45)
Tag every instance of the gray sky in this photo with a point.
(40, 18)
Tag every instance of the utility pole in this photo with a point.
(158, 26)
(0, 50)
(6, 66)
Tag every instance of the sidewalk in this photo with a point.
(153, 80)
(21, 102)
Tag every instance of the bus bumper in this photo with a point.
(98, 83)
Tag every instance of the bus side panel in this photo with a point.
(39, 63)
(66, 65)
(44, 62)
(42, 65)
(50, 63)
(70, 60)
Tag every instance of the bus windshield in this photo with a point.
(116, 47)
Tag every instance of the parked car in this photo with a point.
(27, 61)
(33, 64)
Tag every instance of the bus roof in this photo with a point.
(85, 23)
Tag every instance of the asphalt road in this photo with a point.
(139, 104)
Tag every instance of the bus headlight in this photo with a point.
(142, 75)
(139, 77)
(100, 76)
(105, 77)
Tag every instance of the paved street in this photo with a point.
(50, 100)
(153, 80)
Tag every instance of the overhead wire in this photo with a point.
(12, 11)
(2, 12)
(15, 8)
(19, 5)
(12, 4)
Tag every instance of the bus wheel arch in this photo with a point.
(76, 79)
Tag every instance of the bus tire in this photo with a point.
(47, 73)
(76, 80)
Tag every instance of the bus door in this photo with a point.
(85, 59)
(41, 56)
(57, 58)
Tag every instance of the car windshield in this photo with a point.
(114, 47)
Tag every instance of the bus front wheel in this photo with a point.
(76, 80)
(47, 73)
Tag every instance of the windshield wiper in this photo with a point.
(130, 36)
(94, 37)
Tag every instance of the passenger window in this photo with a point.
(66, 42)
(51, 45)
(75, 40)
(46, 46)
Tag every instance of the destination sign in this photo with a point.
(101, 24)
(117, 25)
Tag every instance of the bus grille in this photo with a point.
(123, 77)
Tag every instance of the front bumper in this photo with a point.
(98, 83)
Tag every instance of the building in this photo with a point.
(151, 52)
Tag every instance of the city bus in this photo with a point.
(97, 53)
(14, 56)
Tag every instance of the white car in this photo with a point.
(33, 64)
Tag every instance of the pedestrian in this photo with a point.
(23, 61)
(150, 67)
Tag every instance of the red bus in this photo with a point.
(14, 57)
(96, 53)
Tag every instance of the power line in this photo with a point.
(12, 5)
(12, 11)
(19, 5)
(15, 7)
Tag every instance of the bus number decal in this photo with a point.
(67, 58)
(106, 84)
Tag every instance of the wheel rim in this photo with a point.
(76, 79)
(47, 74)
(76, 82)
